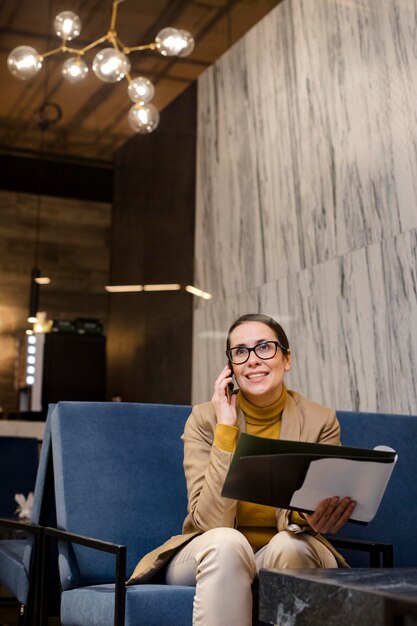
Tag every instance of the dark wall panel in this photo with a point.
(52, 175)
(150, 334)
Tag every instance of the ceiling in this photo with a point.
(94, 114)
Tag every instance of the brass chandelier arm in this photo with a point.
(93, 44)
(80, 51)
(109, 65)
(60, 48)
(113, 18)
(148, 46)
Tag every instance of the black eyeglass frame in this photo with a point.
(277, 345)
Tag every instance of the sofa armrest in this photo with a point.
(103, 546)
(15, 524)
(375, 549)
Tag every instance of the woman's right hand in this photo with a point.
(225, 409)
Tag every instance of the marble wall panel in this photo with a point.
(307, 194)
(349, 322)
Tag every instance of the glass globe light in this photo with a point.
(143, 118)
(24, 62)
(110, 65)
(187, 43)
(141, 90)
(74, 69)
(173, 42)
(67, 25)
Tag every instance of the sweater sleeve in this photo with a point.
(225, 437)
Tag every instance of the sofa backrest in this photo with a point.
(118, 477)
(395, 520)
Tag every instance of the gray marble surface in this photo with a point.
(339, 597)
(307, 195)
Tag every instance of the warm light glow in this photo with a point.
(32, 320)
(198, 292)
(123, 288)
(67, 25)
(24, 62)
(174, 42)
(110, 65)
(166, 287)
(29, 332)
(74, 70)
(42, 280)
(143, 118)
(141, 90)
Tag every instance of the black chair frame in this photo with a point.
(376, 550)
(96, 544)
(29, 613)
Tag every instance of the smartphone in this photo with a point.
(230, 386)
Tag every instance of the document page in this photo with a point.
(364, 481)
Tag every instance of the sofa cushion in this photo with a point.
(146, 605)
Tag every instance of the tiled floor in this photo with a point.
(9, 613)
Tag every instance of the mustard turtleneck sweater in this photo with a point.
(257, 522)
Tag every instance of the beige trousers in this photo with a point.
(222, 565)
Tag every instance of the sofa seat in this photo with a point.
(14, 576)
(146, 605)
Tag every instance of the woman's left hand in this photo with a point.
(331, 514)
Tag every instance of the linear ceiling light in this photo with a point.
(167, 287)
(42, 280)
(158, 287)
(110, 64)
(123, 288)
(198, 292)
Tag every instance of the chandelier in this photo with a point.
(110, 64)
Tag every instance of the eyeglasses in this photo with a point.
(265, 350)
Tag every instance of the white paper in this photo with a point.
(363, 481)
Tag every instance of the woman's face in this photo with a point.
(260, 381)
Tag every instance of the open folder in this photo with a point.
(297, 475)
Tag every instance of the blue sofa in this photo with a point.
(19, 562)
(119, 480)
(394, 521)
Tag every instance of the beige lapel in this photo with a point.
(291, 425)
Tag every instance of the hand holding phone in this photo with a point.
(224, 401)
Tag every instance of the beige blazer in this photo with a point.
(206, 466)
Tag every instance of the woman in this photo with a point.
(225, 542)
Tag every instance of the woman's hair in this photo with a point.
(264, 319)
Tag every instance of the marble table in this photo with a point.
(339, 597)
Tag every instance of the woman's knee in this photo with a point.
(286, 550)
(227, 540)
(289, 550)
(227, 545)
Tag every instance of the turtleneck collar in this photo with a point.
(266, 414)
